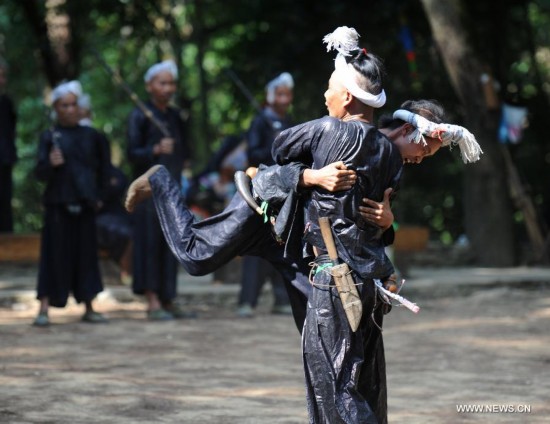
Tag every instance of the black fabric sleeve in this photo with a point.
(258, 149)
(44, 169)
(139, 153)
(104, 156)
(298, 144)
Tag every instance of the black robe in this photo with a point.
(8, 156)
(265, 127)
(345, 371)
(114, 225)
(154, 266)
(68, 259)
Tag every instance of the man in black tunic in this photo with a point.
(154, 266)
(345, 370)
(73, 162)
(8, 156)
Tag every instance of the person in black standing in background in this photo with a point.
(73, 162)
(8, 155)
(265, 127)
(154, 266)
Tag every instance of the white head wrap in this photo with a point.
(283, 80)
(345, 40)
(166, 66)
(85, 102)
(449, 134)
(65, 88)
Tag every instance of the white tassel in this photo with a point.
(343, 39)
(470, 150)
(417, 137)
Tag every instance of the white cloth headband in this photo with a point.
(283, 80)
(84, 101)
(347, 75)
(345, 40)
(166, 66)
(448, 134)
(65, 88)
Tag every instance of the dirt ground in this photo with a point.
(485, 347)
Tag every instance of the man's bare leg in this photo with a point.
(140, 189)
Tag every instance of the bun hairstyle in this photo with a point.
(371, 68)
(361, 72)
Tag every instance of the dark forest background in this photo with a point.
(432, 49)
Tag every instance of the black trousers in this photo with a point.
(6, 194)
(345, 371)
(255, 271)
(154, 267)
(204, 246)
(68, 256)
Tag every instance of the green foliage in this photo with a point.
(258, 39)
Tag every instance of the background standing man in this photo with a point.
(265, 127)
(73, 163)
(154, 266)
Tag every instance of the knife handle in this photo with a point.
(326, 232)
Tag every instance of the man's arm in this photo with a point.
(333, 177)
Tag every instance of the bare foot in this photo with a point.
(140, 189)
(251, 171)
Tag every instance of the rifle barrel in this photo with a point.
(117, 78)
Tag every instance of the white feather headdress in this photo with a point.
(343, 39)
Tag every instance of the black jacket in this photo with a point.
(378, 164)
(84, 175)
(8, 119)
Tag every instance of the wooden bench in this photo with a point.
(24, 248)
(19, 247)
(409, 239)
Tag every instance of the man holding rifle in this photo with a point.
(154, 267)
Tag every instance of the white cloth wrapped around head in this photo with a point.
(165, 66)
(85, 102)
(448, 134)
(283, 80)
(65, 88)
(346, 40)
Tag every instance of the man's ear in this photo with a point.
(348, 98)
(407, 129)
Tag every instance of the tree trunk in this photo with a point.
(59, 53)
(199, 37)
(488, 208)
